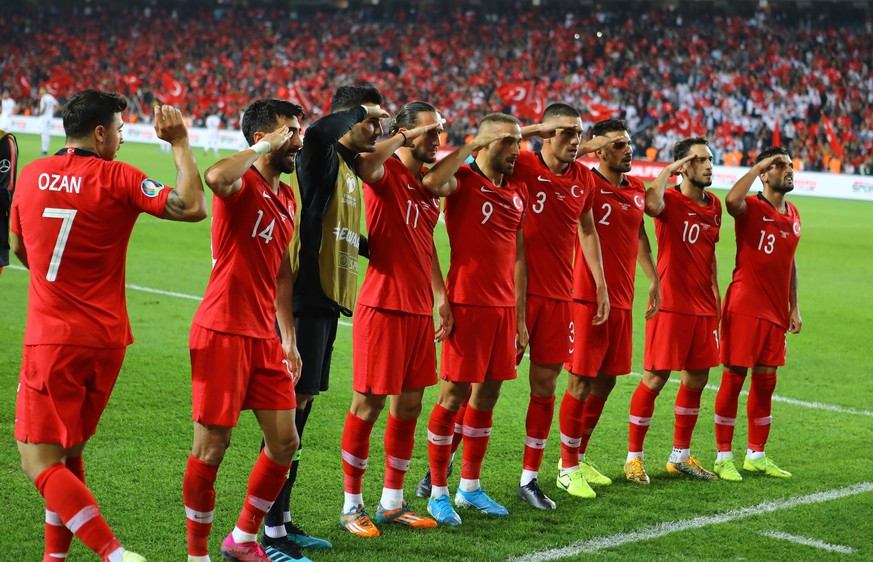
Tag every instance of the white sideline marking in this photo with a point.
(663, 529)
(803, 403)
(808, 542)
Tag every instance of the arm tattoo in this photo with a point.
(175, 206)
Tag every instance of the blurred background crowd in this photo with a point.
(746, 75)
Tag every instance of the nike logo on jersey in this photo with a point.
(486, 190)
(410, 187)
(541, 178)
(605, 192)
(264, 194)
(692, 214)
(768, 220)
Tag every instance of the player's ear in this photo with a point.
(100, 133)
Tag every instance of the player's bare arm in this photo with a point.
(655, 192)
(598, 142)
(647, 263)
(795, 322)
(522, 337)
(369, 166)
(715, 288)
(735, 200)
(441, 298)
(440, 181)
(16, 243)
(224, 177)
(186, 201)
(285, 315)
(590, 243)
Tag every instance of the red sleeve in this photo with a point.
(143, 193)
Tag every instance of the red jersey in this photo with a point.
(401, 217)
(687, 234)
(75, 213)
(251, 230)
(483, 221)
(555, 203)
(766, 243)
(618, 214)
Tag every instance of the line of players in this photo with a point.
(286, 253)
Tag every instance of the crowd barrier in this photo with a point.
(814, 184)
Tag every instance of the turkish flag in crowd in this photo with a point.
(174, 91)
(23, 83)
(295, 95)
(833, 140)
(58, 83)
(777, 136)
(528, 103)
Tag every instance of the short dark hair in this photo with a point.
(683, 147)
(407, 116)
(347, 97)
(560, 110)
(497, 118)
(263, 116)
(89, 108)
(772, 151)
(608, 126)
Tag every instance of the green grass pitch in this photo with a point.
(136, 461)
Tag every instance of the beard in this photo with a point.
(700, 183)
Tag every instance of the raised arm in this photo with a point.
(521, 334)
(285, 316)
(440, 180)
(647, 262)
(186, 202)
(655, 193)
(590, 242)
(795, 323)
(735, 200)
(369, 166)
(224, 177)
(441, 297)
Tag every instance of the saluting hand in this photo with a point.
(169, 125)
(376, 111)
(278, 137)
(412, 134)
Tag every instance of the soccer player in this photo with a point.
(213, 122)
(8, 177)
(683, 336)
(561, 192)
(47, 105)
(71, 221)
(8, 110)
(238, 362)
(759, 307)
(395, 312)
(326, 282)
(601, 352)
(486, 287)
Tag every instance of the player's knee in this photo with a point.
(282, 451)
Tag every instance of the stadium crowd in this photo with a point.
(669, 73)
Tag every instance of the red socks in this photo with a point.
(77, 508)
(477, 432)
(198, 489)
(726, 408)
(570, 420)
(57, 537)
(399, 442)
(686, 411)
(540, 412)
(642, 407)
(459, 425)
(439, 443)
(355, 451)
(759, 408)
(590, 417)
(265, 483)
